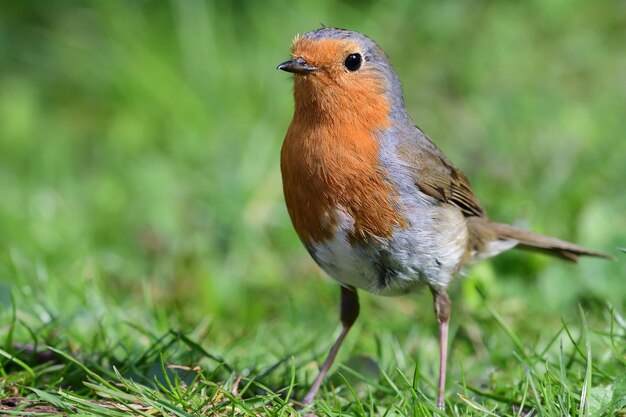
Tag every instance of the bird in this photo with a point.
(375, 202)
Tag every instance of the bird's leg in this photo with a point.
(349, 311)
(442, 311)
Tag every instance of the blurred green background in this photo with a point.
(140, 141)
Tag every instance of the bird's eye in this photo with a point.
(353, 62)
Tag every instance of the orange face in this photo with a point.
(333, 85)
(328, 55)
(330, 155)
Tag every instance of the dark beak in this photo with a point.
(297, 66)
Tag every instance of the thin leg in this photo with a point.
(349, 311)
(442, 311)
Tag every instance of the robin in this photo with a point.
(377, 205)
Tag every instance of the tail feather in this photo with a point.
(487, 231)
(547, 244)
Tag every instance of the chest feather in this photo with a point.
(326, 166)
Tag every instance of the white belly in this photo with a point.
(427, 252)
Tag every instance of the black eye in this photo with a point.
(353, 62)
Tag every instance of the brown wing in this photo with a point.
(435, 176)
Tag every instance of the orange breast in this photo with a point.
(330, 159)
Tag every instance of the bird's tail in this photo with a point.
(524, 239)
(550, 245)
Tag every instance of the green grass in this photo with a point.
(147, 262)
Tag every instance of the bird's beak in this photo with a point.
(297, 66)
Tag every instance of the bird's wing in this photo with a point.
(437, 177)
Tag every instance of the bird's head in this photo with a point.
(339, 70)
